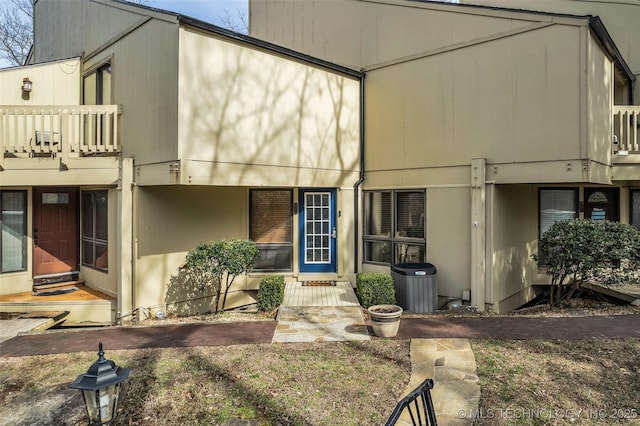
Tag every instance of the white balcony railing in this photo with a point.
(58, 130)
(626, 130)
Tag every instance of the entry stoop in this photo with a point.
(310, 294)
(85, 305)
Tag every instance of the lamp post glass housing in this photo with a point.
(101, 386)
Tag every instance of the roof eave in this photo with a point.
(252, 41)
(598, 28)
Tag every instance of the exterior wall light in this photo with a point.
(616, 147)
(101, 386)
(26, 84)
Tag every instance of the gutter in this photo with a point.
(597, 26)
(356, 186)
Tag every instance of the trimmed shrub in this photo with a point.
(375, 288)
(270, 293)
(217, 264)
(575, 251)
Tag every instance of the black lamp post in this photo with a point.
(101, 386)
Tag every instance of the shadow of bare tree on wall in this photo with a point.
(189, 294)
(260, 118)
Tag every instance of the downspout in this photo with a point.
(356, 186)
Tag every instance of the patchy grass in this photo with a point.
(537, 382)
(549, 382)
(354, 383)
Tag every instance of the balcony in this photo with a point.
(59, 131)
(626, 129)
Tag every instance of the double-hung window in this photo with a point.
(95, 235)
(271, 228)
(557, 204)
(13, 223)
(394, 226)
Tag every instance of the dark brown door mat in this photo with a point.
(55, 292)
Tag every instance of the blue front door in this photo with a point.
(317, 217)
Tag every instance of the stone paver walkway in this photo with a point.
(320, 324)
(452, 366)
(317, 314)
(320, 314)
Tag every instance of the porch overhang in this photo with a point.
(626, 168)
(569, 171)
(194, 172)
(47, 171)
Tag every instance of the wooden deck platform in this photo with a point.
(342, 294)
(627, 293)
(86, 306)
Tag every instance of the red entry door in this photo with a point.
(55, 231)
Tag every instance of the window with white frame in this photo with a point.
(95, 235)
(13, 223)
(394, 226)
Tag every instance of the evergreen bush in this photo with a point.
(375, 288)
(270, 293)
(216, 265)
(574, 251)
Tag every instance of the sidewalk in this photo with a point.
(138, 337)
(521, 328)
(218, 334)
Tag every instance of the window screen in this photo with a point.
(556, 205)
(271, 227)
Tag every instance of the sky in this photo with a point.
(212, 11)
(206, 10)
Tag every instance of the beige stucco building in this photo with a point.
(341, 136)
(506, 119)
(146, 133)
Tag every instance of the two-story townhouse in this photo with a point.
(476, 127)
(144, 133)
(486, 124)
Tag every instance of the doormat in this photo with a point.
(55, 292)
(55, 280)
(318, 283)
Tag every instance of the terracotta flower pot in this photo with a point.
(385, 319)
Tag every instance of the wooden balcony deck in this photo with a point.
(58, 131)
(626, 129)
